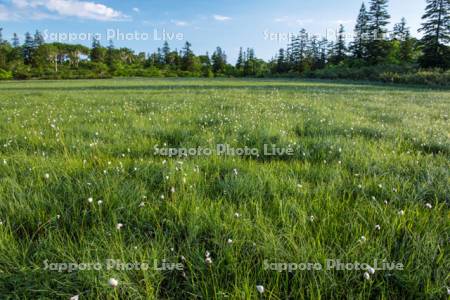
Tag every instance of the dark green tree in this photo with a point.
(97, 54)
(402, 36)
(219, 61)
(15, 41)
(359, 45)
(378, 47)
(340, 48)
(28, 48)
(436, 30)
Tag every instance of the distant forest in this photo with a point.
(374, 54)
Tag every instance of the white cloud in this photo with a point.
(135, 9)
(7, 14)
(221, 18)
(179, 23)
(73, 8)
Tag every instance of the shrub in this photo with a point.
(5, 75)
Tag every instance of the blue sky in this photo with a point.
(261, 24)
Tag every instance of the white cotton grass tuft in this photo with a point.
(5, 162)
(119, 226)
(260, 289)
(76, 297)
(208, 259)
(401, 213)
(371, 270)
(230, 241)
(90, 200)
(377, 227)
(237, 215)
(363, 239)
(429, 206)
(311, 218)
(366, 276)
(113, 282)
(47, 176)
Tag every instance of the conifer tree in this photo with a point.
(359, 45)
(378, 48)
(436, 29)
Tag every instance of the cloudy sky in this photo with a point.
(261, 24)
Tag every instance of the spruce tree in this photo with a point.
(110, 54)
(340, 48)
(402, 35)
(378, 47)
(240, 61)
(28, 48)
(166, 52)
(436, 29)
(15, 41)
(359, 45)
(38, 39)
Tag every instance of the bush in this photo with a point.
(405, 74)
(425, 77)
(22, 72)
(5, 75)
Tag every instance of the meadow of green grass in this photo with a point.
(369, 180)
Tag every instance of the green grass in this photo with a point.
(357, 146)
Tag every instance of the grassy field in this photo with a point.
(80, 183)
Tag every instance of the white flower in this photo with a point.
(119, 226)
(100, 202)
(58, 217)
(162, 197)
(113, 282)
(90, 200)
(208, 260)
(386, 202)
(235, 171)
(5, 162)
(377, 227)
(299, 186)
(260, 289)
(311, 218)
(371, 270)
(47, 176)
(448, 291)
(366, 276)
(142, 204)
(230, 241)
(237, 215)
(363, 239)
(76, 297)
(207, 254)
(172, 190)
(401, 213)
(428, 205)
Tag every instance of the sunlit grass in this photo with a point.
(77, 159)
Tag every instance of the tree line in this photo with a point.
(305, 55)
